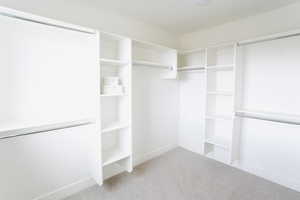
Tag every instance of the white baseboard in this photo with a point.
(139, 159)
(67, 190)
(78, 186)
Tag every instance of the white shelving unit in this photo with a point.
(220, 121)
(116, 131)
(146, 54)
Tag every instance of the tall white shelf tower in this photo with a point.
(220, 135)
(116, 100)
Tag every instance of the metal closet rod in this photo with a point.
(45, 23)
(42, 129)
(282, 121)
(278, 37)
(195, 69)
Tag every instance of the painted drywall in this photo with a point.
(191, 110)
(280, 20)
(267, 148)
(85, 14)
(155, 113)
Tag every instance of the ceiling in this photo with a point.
(183, 16)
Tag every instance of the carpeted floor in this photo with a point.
(182, 175)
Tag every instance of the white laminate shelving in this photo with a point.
(115, 155)
(116, 131)
(219, 142)
(220, 121)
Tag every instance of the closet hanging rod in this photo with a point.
(151, 64)
(191, 69)
(24, 131)
(267, 118)
(44, 21)
(269, 38)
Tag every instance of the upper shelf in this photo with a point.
(219, 142)
(115, 155)
(113, 62)
(151, 64)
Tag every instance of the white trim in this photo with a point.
(67, 190)
(78, 186)
(139, 159)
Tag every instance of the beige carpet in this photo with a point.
(182, 175)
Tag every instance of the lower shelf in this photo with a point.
(112, 156)
(219, 142)
(115, 126)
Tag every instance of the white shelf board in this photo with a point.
(270, 116)
(114, 95)
(113, 62)
(8, 130)
(217, 117)
(151, 64)
(149, 45)
(220, 67)
(115, 126)
(222, 93)
(115, 155)
(191, 68)
(219, 142)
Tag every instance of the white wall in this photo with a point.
(155, 113)
(268, 149)
(84, 13)
(191, 96)
(280, 20)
